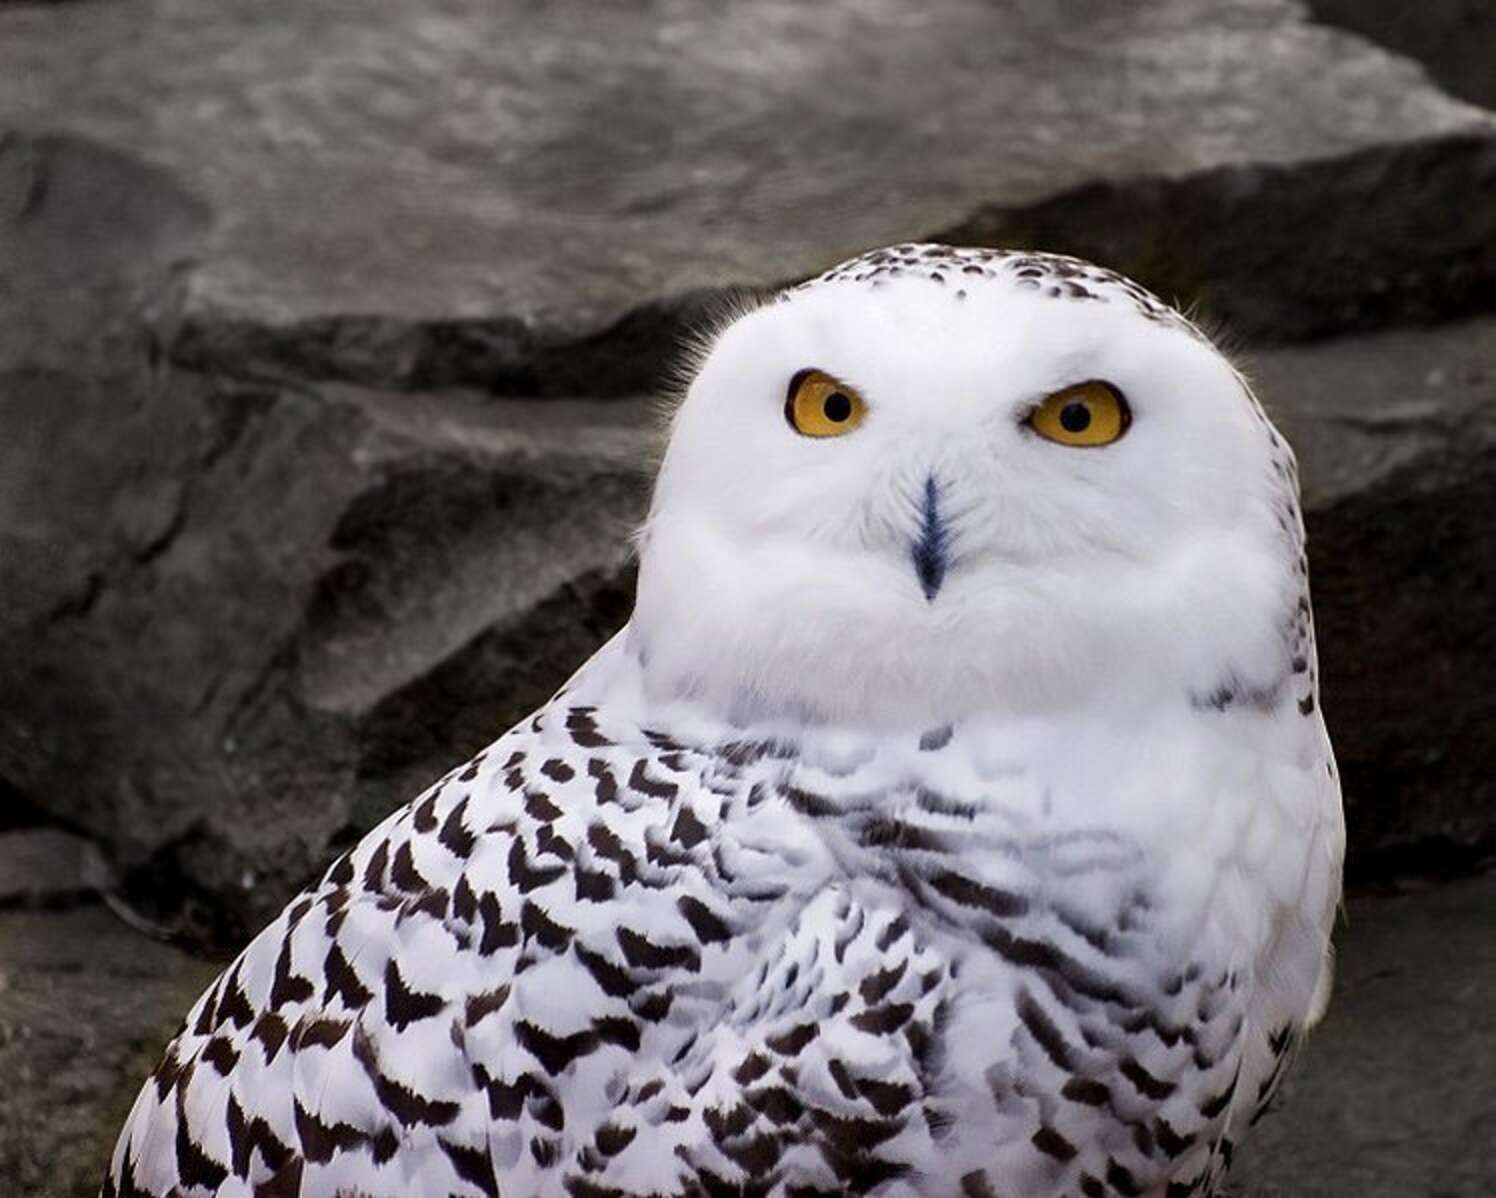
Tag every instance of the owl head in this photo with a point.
(935, 482)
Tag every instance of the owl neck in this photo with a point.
(618, 679)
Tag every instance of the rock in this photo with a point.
(91, 477)
(1453, 39)
(16, 812)
(532, 199)
(1395, 1093)
(242, 618)
(1396, 437)
(41, 867)
(86, 1005)
(323, 330)
(356, 592)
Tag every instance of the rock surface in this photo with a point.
(348, 590)
(86, 1005)
(528, 198)
(1396, 437)
(42, 867)
(1454, 39)
(1395, 1095)
(322, 331)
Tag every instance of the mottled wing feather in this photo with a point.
(511, 978)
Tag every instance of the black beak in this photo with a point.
(931, 552)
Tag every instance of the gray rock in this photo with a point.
(355, 592)
(91, 473)
(530, 198)
(86, 1005)
(1395, 1094)
(241, 618)
(41, 867)
(1455, 40)
(1396, 436)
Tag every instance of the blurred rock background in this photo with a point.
(329, 336)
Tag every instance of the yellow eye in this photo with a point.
(1086, 414)
(819, 406)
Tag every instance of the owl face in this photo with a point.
(915, 493)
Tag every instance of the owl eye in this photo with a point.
(820, 406)
(1087, 414)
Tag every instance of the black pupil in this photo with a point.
(837, 407)
(1075, 417)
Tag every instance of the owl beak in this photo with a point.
(931, 552)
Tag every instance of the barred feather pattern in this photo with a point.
(610, 957)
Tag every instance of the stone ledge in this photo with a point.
(349, 588)
(42, 867)
(422, 197)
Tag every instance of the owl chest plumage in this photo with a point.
(608, 959)
(1097, 1023)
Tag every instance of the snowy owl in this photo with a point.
(954, 815)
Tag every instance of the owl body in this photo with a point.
(854, 903)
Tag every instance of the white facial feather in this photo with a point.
(776, 573)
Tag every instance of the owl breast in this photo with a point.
(1098, 1002)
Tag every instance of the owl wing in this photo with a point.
(547, 954)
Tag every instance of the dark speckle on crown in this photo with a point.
(1054, 276)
